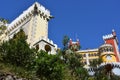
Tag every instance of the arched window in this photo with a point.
(37, 47)
(104, 50)
(107, 49)
(47, 48)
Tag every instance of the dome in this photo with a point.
(106, 45)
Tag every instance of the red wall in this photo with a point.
(111, 41)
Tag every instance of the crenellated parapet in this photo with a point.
(43, 43)
(109, 36)
(44, 13)
(109, 67)
(46, 40)
(34, 22)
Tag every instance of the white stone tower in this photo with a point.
(34, 22)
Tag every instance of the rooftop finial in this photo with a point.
(113, 32)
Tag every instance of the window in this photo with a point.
(37, 47)
(89, 55)
(47, 48)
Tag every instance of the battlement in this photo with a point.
(109, 36)
(74, 42)
(27, 14)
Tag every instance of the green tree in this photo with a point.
(65, 42)
(16, 51)
(73, 61)
(4, 20)
(49, 67)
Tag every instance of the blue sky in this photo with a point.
(87, 20)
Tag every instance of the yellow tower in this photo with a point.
(34, 22)
(107, 53)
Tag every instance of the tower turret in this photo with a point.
(112, 39)
(106, 52)
(34, 22)
(75, 46)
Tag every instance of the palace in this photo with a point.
(108, 52)
(34, 22)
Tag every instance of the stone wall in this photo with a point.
(6, 76)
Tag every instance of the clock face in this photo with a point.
(108, 57)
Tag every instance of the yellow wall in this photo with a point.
(41, 28)
(94, 54)
(38, 27)
(106, 54)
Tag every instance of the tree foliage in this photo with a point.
(73, 61)
(4, 20)
(65, 65)
(49, 67)
(65, 42)
(16, 51)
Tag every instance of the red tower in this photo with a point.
(112, 39)
(75, 46)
